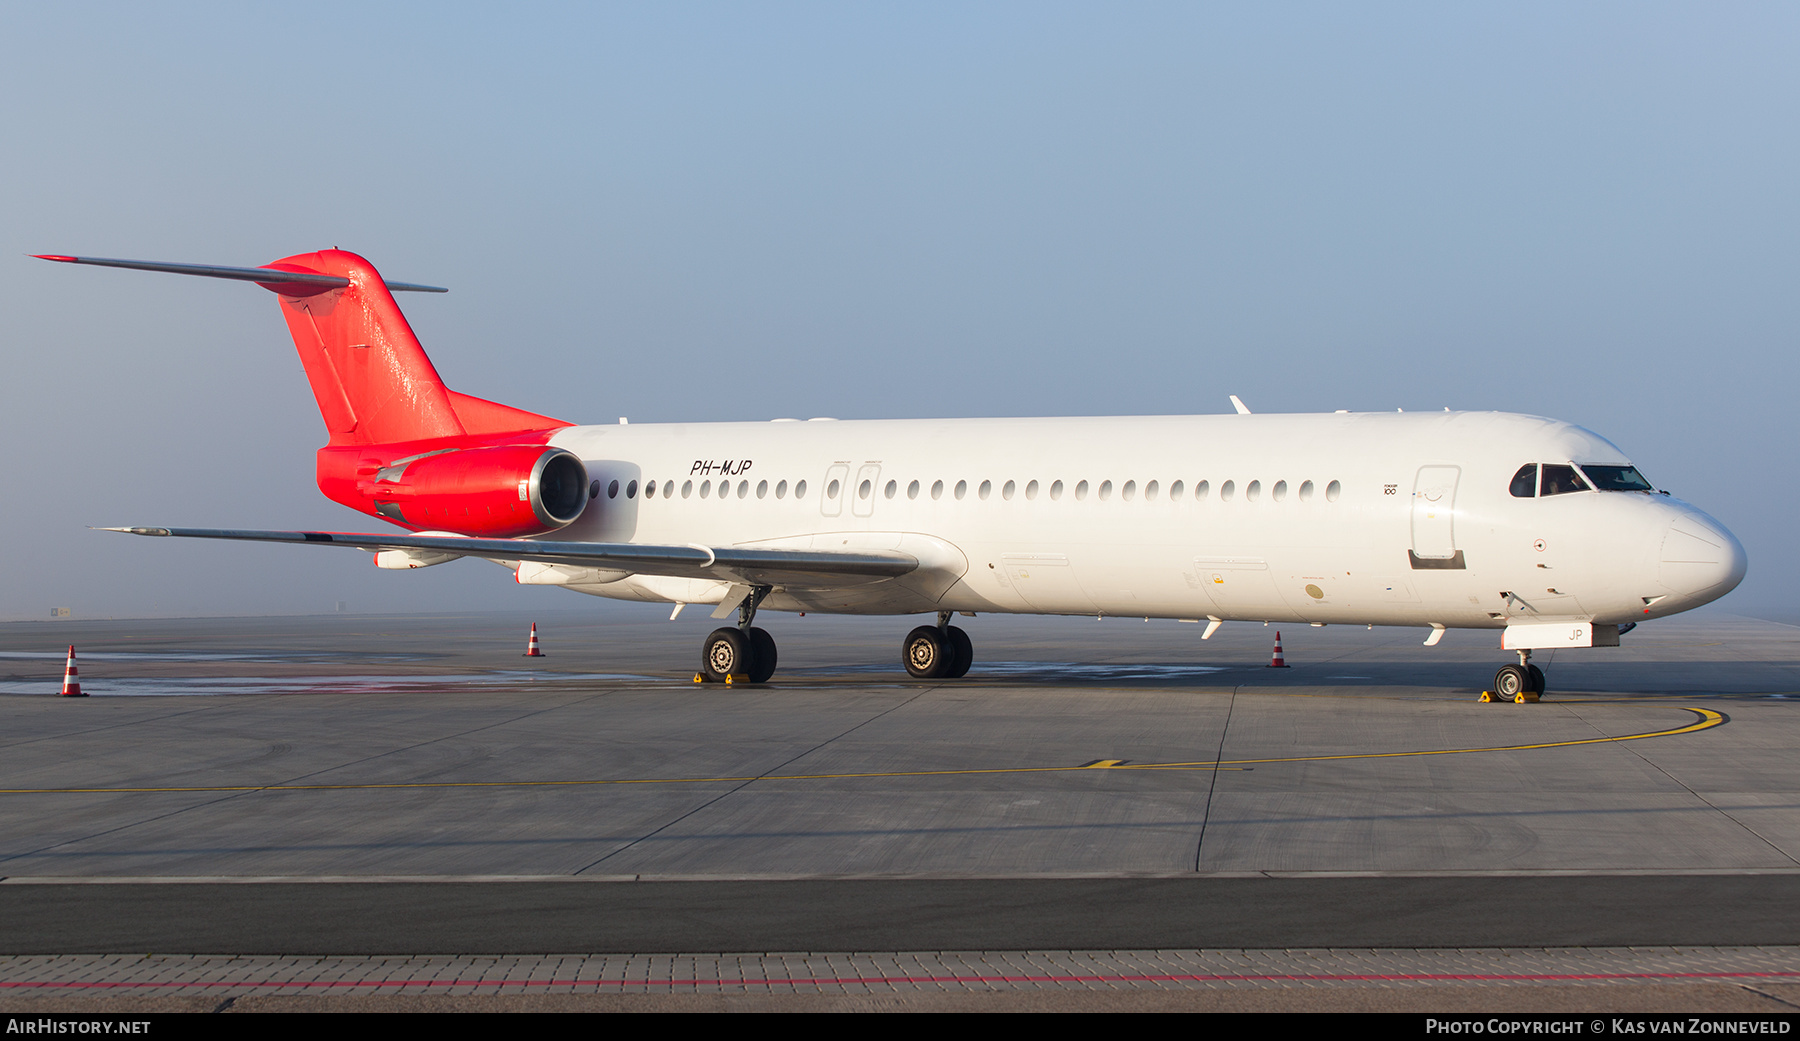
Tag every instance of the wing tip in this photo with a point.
(58, 257)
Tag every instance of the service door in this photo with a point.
(1434, 512)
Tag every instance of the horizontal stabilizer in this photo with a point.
(267, 277)
(753, 566)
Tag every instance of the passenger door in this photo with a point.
(1434, 513)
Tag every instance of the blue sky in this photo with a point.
(748, 211)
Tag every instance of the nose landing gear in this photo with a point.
(1519, 683)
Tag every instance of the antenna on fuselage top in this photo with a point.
(1242, 409)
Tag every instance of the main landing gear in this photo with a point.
(940, 651)
(744, 654)
(1518, 683)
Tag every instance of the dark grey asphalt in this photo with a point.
(909, 914)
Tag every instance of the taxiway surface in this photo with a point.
(1113, 784)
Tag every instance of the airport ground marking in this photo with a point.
(1707, 719)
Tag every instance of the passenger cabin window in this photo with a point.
(1610, 478)
(1558, 480)
(1524, 483)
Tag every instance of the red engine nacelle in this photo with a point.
(503, 491)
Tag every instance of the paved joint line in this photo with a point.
(748, 781)
(1723, 812)
(1212, 783)
(1706, 719)
(1763, 993)
(226, 794)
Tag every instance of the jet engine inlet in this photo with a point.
(558, 487)
(501, 491)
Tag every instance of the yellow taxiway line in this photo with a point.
(1706, 719)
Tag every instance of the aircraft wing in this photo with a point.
(806, 567)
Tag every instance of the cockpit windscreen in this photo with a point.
(1560, 480)
(1610, 478)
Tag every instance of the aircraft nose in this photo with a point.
(1700, 559)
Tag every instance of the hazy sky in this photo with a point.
(744, 211)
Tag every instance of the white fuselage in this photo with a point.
(1382, 518)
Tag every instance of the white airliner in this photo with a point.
(1479, 520)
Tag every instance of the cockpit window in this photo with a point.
(1609, 478)
(1559, 479)
(1524, 483)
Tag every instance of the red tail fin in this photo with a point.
(371, 378)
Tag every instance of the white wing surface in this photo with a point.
(812, 568)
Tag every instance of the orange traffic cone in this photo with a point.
(531, 650)
(1276, 662)
(71, 678)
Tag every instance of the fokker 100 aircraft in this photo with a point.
(1479, 520)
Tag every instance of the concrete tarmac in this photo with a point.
(1109, 783)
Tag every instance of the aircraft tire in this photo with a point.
(927, 654)
(964, 653)
(762, 656)
(1510, 680)
(725, 653)
(1537, 679)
